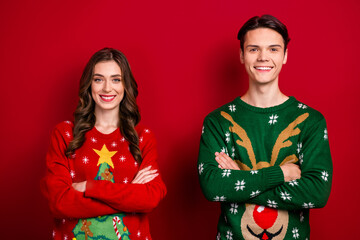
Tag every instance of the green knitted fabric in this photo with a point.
(256, 203)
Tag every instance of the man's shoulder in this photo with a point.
(314, 114)
(229, 108)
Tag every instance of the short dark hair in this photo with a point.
(265, 21)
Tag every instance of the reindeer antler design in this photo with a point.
(281, 142)
(245, 141)
(283, 139)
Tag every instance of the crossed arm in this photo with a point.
(306, 188)
(95, 198)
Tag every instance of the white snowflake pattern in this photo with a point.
(122, 158)
(273, 119)
(234, 208)
(63, 221)
(136, 164)
(325, 175)
(301, 216)
(85, 160)
(224, 150)
(299, 146)
(226, 172)
(227, 137)
(301, 158)
(72, 173)
(201, 168)
(67, 133)
(219, 199)
(218, 237)
(68, 122)
(254, 172)
(122, 139)
(141, 139)
(302, 106)
(65, 237)
(126, 180)
(93, 140)
(295, 232)
(254, 194)
(202, 131)
(233, 152)
(232, 108)
(146, 130)
(113, 144)
(240, 185)
(308, 205)
(293, 183)
(138, 234)
(285, 196)
(325, 134)
(53, 233)
(229, 235)
(73, 155)
(272, 204)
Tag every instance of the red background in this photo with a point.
(184, 55)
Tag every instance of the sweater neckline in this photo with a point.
(99, 134)
(289, 101)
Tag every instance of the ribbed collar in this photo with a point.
(265, 110)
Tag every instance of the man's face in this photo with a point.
(263, 55)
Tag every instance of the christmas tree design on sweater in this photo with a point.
(107, 227)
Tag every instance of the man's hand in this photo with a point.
(291, 171)
(80, 186)
(145, 175)
(225, 162)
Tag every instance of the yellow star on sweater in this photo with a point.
(105, 156)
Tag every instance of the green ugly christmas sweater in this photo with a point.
(256, 203)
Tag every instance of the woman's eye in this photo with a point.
(117, 80)
(97, 80)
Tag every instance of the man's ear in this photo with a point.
(285, 56)
(241, 56)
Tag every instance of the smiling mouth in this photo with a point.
(107, 98)
(263, 68)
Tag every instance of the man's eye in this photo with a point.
(274, 49)
(253, 50)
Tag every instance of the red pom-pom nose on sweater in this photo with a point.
(265, 217)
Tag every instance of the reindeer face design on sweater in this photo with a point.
(259, 222)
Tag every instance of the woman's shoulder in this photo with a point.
(145, 134)
(65, 128)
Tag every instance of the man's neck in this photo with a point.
(264, 96)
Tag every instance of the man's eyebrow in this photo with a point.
(276, 45)
(255, 46)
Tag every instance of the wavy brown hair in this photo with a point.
(84, 115)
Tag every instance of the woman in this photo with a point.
(102, 175)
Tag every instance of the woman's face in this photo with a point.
(107, 88)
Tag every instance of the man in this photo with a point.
(265, 156)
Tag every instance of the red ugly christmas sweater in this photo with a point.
(111, 206)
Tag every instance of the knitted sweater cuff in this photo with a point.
(273, 176)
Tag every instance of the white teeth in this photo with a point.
(263, 68)
(107, 98)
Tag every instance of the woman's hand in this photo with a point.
(145, 175)
(225, 162)
(80, 186)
